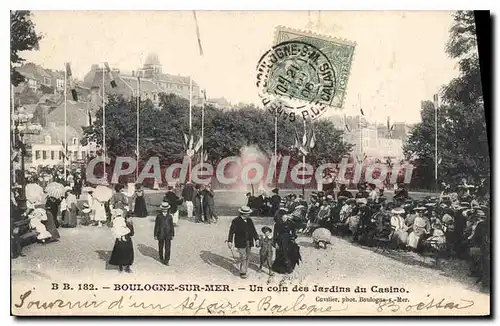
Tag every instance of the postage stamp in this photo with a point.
(304, 74)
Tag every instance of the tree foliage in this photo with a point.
(22, 38)
(226, 131)
(462, 138)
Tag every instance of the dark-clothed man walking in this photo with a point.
(188, 193)
(243, 232)
(164, 232)
(174, 201)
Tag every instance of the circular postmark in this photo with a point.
(295, 78)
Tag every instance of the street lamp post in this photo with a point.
(23, 126)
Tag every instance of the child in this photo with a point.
(266, 249)
(86, 212)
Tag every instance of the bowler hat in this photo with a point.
(275, 190)
(266, 229)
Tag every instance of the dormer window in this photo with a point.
(74, 141)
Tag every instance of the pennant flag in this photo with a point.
(205, 94)
(191, 141)
(65, 150)
(435, 98)
(69, 76)
(388, 123)
(346, 126)
(312, 141)
(362, 113)
(304, 139)
(198, 144)
(185, 140)
(110, 75)
(297, 144)
(198, 33)
(90, 119)
(440, 160)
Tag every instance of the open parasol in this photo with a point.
(34, 193)
(102, 193)
(55, 189)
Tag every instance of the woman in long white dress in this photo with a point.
(98, 215)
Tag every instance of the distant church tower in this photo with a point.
(152, 66)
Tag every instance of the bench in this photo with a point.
(26, 235)
(382, 243)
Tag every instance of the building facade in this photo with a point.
(153, 82)
(47, 148)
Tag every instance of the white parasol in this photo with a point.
(102, 193)
(55, 189)
(34, 193)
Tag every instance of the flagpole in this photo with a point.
(65, 120)
(436, 141)
(104, 126)
(304, 165)
(190, 121)
(13, 135)
(138, 104)
(275, 148)
(202, 131)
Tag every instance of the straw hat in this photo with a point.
(164, 206)
(86, 208)
(245, 210)
(116, 213)
(398, 211)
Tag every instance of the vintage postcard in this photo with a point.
(248, 163)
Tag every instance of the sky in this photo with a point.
(399, 58)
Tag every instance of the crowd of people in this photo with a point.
(455, 224)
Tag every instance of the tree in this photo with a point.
(22, 38)
(462, 138)
(226, 131)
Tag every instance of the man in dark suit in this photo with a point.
(243, 232)
(164, 232)
(188, 194)
(344, 192)
(174, 201)
(209, 205)
(275, 201)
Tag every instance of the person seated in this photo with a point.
(399, 228)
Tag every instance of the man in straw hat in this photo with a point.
(243, 232)
(164, 232)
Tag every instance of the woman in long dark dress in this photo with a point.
(52, 205)
(123, 250)
(140, 208)
(287, 251)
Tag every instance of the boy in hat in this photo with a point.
(266, 249)
(164, 232)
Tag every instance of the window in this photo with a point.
(46, 81)
(32, 84)
(60, 84)
(60, 155)
(44, 155)
(47, 140)
(37, 155)
(74, 141)
(52, 155)
(75, 155)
